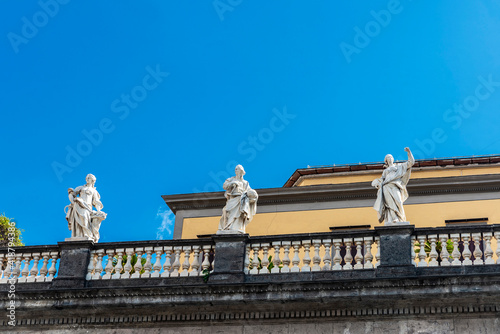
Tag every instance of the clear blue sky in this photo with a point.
(171, 92)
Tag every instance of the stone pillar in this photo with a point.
(230, 252)
(395, 250)
(75, 256)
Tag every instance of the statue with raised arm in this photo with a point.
(83, 222)
(392, 191)
(241, 204)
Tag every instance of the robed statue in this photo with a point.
(241, 204)
(392, 191)
(83, 221)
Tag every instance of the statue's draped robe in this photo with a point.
(240, 207)
(81, 220)
(392, 193)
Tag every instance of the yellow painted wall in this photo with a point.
(420, 215)
(415, 174)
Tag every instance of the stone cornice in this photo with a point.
(295, 299)
(426, 164)
(338, 192)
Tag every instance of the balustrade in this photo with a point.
(29, 267)
(299, 253)
(290, 256)
(456, 249)
(150, 262)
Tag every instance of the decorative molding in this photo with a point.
(339, 192)
(202, 317)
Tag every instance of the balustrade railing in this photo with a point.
(178, 258)
(454, 246)
(293, 253)
(29, 264)
(312, 252)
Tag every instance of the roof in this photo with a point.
(329, 169)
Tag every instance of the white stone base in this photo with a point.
(397, 224)
(78, 239)
(229, 232)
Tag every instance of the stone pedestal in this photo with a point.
(78, 239)
(395, 250)
(75, 256)
(229, 258)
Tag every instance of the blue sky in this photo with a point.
(162, 97)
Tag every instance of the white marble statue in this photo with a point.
(241, 204)
(392, 191)
(83, 222)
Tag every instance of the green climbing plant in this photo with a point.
(439, 247)
(269, 266)
(133, 261)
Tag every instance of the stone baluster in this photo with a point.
(497, 238)
(213, 262)
(265, 258)
(44, 269)
(195, 266)
(9, 268)
(90, 267)
(445, 255)
(2, 261)
(316, 260)
(276, 258)
(359, 253)
(337, 259)
(295, 260)
(466, 253)
(377, 255)
(413, 254)
(306, 261)
(167, 266)
(422, 255)
(327, 259)
(138, 264)
(12, 268)
(25, 272)
(17, 268)
(128, 264)
(109, 264)
(177, 263)
(488, 252)
(348, 254)
(255, 259)
(205, 265)
(286, 256)
(34, 269)
(455, 237)
(119, 264)
(157, 265)
(98, 267)
(148, 266)
(186, 265)
(368, 253)
(246, 268)
(52, 270)
(478, 254)
(433, 255)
